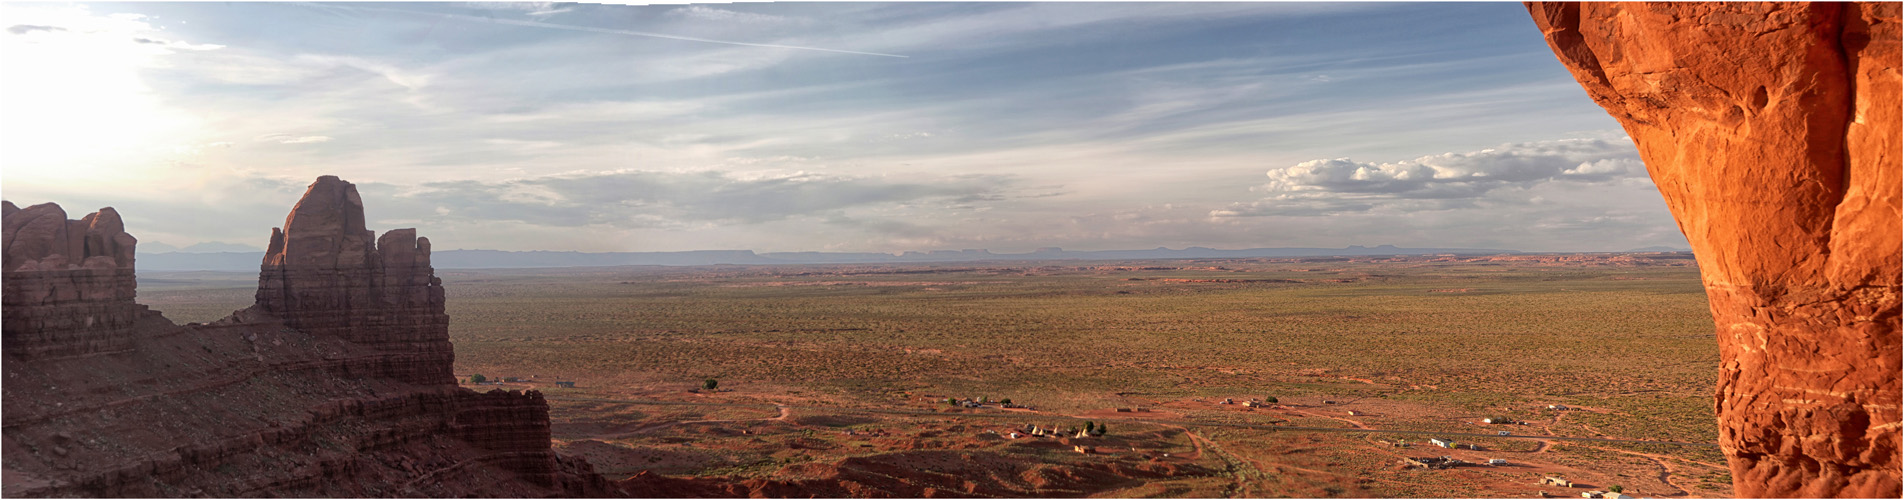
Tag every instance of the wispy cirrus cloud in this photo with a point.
(651, 198)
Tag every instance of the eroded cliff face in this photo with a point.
(70, 286)
(1772, 131)
(324, 273)
(336, 383)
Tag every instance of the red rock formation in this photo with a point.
(336, 383)
(69, 283)
(1772, 131)
(324, 273)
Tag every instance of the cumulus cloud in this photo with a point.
(661, 199)
(1438, 182)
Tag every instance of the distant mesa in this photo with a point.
(148, 248)
(1652, 249)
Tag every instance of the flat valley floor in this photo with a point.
(838, 375)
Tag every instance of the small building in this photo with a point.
(1123, 410)
(1354, 413)
(1084, 449)
(1502, 433)
(1496, 462)
(1591, 494)
(1228, 401)
(565, 385)
(1556, 407)
(1556, 481)
(1013, 435)
(1444, 443)
(1614, 495)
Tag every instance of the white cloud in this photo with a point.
(291, 139)
(76, 106)
(633, 199)
(705, 13)
(1463, 175)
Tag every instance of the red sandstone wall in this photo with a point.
(1772, 130)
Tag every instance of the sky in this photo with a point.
(861, 127)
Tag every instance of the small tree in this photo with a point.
(1088, 425)
(1099, 431)
(1616, 489)
(710, 384)
(1005, 401)
(1270, 399)
(952, 401)
(478, 378)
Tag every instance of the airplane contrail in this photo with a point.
(539, 24)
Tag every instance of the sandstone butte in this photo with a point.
(335, 383)
(1772, 131)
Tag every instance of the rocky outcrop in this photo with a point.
(1772, 131)
(324, 273)
(69, 285)
(336, 383)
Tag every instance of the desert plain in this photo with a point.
(1316, 377)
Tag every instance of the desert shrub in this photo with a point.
(710, 384)
(478, 378)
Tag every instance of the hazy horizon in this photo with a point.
(856, 127)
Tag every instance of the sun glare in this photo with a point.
(74, 102)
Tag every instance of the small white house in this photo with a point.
(1444, 443)
(1496, 461)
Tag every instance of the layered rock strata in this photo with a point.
(324, 273)
(69, 284)
(1772, 130)
(336, 383)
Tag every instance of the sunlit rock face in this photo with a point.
(1772, 131)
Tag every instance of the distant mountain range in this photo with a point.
(1659, 249)
(481, 259)
(206, 247)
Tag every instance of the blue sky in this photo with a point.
(832, 127)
